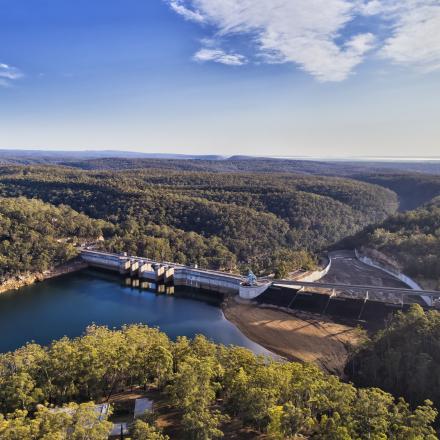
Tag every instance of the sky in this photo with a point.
(318, 78)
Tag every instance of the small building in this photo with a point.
(141, 406)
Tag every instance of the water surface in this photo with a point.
(66, 305)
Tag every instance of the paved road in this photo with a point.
(349, 277)
(347, 269)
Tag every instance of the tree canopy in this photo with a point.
(35, 236)
(218, 220)
(411, 240)
(207, 384)
(403, 358)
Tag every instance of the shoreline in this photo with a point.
(294, 335)
(19, 281)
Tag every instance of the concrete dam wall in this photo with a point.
(146, 269)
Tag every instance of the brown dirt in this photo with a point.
(17, 282)
(297, 336)
(169, 419)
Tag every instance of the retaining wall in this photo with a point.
(402, 277)
(316, 275)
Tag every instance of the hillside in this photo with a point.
(216, 220)
(35, 236)
(117, 160)
(413, 189)
(403, 358)
(415, 183)
(411, 240)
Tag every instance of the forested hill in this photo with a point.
(216, 220)
(413, 189)
(35, 236)
(403, 358)
(410, 240)
(415, 183)
(244, 164)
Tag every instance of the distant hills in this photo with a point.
(55, 156)
(114, 159)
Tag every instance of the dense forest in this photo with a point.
(210, 386)
(218, 214)
(403, 358)
(220, 220)
(413, 189)
(415, 183)
(35, 236)
(410, 240)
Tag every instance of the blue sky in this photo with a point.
(262, 77)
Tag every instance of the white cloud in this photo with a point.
(371, 7)
(310, 33)
(415, 39)
(220, 56)
(299, 31)
(177, 6)
(8, 74)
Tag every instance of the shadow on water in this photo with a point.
(67, 305)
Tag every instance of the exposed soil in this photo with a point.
(17, 282)
(297, 336)
(169, 419)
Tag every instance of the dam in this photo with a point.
(164, 272)
(145, 270)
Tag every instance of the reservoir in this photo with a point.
(65, 306)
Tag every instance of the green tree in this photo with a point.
(144, 431)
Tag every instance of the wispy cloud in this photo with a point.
(8, 74)
(178, 6)
(415, 39)
(299, 31)
(313, 33)
(220, 56)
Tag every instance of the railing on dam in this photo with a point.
(165, 271)
(148, 269)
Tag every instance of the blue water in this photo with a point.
(67, 305)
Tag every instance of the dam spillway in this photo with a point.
(165, 272)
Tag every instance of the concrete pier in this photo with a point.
(180, 275)
(160, 273)
(134, 267)
(146, 271)
(168, 275)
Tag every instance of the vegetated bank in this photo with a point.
(403, 358)
(38, 240)
(408, 242)
(210, 388)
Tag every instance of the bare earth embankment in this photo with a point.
(297, 336)
(17, 282)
